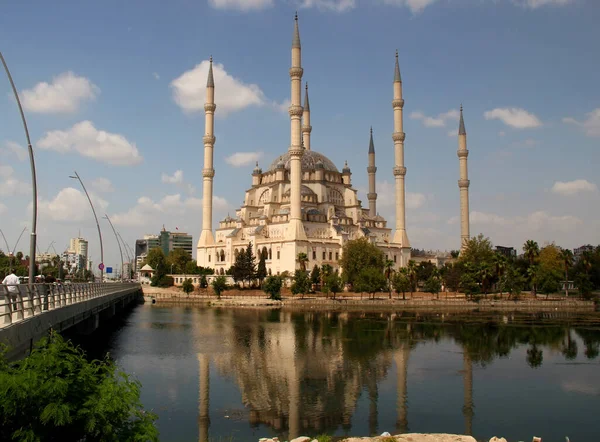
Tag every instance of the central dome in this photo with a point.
(309, 161)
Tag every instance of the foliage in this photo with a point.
(244, 268)
(156, 259)
(433, 285)
(452, 276)
(178, 259)
(333, 283)
(532, 250)
(162, 281)
(469, 285)
(301, 284)
(203, 282)
(219, 285)
(370, 280)
(315, 275)
(272, 287)
(187, 286)
(477, 250)
(302, 260)
(261, 271)
(550, 259)
(512, 282)
(425, 270)
(548, 280)
(401, 283)
(584, 285)
(57, 394)
(359, 254)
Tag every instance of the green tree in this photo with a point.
(191, 267)
(389, 271)
(548, 280)
(203, 282)
(477, 250)
(187, 286)
(532, 250)
(401, 283)
(333, 283)
(57, 394)
(411, 269)
(302, 260)
(272, 287)
(359, 254)
(512, 282)
(550, 258)
(156, 259)
(178, 260)
(301, 284)
(370, 280)
(469, 285)
(315, 275)
(219, 285)
(567, 260)
(249, 264)
(261, 271)
(584, 285)
(452, 276)
(433, 285)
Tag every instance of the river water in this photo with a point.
(239, 374)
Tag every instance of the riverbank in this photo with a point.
(386, 437)
(257, 298)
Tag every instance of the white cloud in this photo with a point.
(15, 149)
(70, 205)
(11, 185)
(514, 117)
(453, 133)
(386, 196)
(90, 142)
(65, 94)
(534, 222)
(241, 5)
(329, 5)
(102, 185)
(439, 121)
(534, 4)
(415, 6)
(177, 177)
(240, 159)
(231, 94)
(147, 211)
(568, 188)
(156, 76)
(591, 125)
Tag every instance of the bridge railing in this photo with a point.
(21, 301)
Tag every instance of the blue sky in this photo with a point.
(115, 91)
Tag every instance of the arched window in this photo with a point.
(336, 197)
(222, 255)
(264, 253)
(270, 254)
(265, 197)
(221, 271)
(236, 252)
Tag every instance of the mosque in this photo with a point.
(303, 203)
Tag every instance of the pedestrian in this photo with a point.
(11, 281)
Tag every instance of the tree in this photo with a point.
(433, 285)
(411, 269)
(333, 283)
(219, 285)
(156, 259)
(301, 284)
(584, 285)
(191, 267)
(187, 286)
(359, 254)
(57, 394)
(272, 287)
(238, 271)
(315, 275)
(512, 282)
(567, 259)
(549, 281)
(370, 280)
(302, 260)
(532, 250)
(249, 264)
(389, 270)
(178, 259)
(261, 271)
(477, 250)
(203, 282)
(401, 283)
(469, 285)
(550, 259)
(452, 276)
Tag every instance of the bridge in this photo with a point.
(29, 311)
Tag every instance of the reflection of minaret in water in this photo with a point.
(401, 358)
(294, 394)
(468, 391)
(373, 397)
(203, 415)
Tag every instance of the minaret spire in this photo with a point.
(295, 230)
(306, 127)
(463, 182)
(400, 236)
(371, 170)
(208, 173)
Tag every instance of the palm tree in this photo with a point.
(531, 249)
(302, 259)
(586, 260)
(567, 257)
(500, 266)
(485, 273)
(412, 275)
(389, 270)
(532, 273)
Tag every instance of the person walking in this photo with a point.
(11, 281)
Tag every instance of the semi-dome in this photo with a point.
(310, 159)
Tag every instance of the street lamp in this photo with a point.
(101, 265)
(120, 251)
(33, 180)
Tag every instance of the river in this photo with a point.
(240, 373)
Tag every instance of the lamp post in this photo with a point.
(120, 251)
(33, 180)
(101, 265)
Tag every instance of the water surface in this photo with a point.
(251, 373)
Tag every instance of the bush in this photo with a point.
(166, 281)
(272, 287)
(187, 286)
(57, 394)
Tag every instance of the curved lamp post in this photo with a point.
(101, 265)
(120, 251)
(33, 180)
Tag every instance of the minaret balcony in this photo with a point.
(462, 153)
(464, 184)
(209, 139)
(296, 73)
(371, 169)
(399, 170)
(398, 103)
(296, 111)
(398, 136)
(210, 107)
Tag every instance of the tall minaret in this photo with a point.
(398, 136)
(463, 182)
(295, 227)
(372, 195)
(306, 127)
(208, 173)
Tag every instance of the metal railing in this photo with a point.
(21, 301)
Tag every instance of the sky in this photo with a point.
(115, 91)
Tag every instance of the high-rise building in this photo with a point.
(79, 246)
(167, 241)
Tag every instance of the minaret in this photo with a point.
(306, 127)
(463, 182)
(372, 195)
(295, 227)
(208, 173)
(398, 136)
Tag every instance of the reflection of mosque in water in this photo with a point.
(304, 372)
